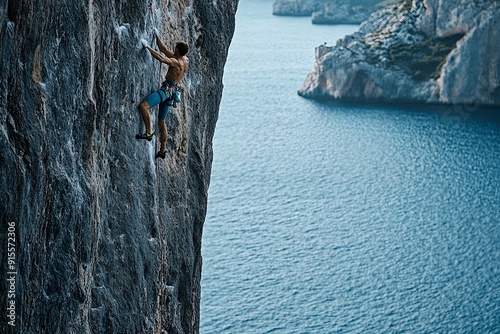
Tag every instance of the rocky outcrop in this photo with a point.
(422, 50)
(341, 14)
(330, 11)
(297, 8)
(106, 239)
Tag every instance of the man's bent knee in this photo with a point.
(144, 105)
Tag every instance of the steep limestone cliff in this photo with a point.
(422, 50)
(107, 239)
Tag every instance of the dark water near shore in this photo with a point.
(344, 218)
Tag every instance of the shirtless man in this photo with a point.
(178, 64)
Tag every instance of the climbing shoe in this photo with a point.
(160, 154)
(145, 135)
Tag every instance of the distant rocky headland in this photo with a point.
(330, 11)
(431, 51)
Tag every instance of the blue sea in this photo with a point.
(344, 218)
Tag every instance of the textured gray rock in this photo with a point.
(107, 240)
(421, 50)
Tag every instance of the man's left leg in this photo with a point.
(164, 107)
(144, 110)
(149, 102)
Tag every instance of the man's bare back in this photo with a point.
(177, 68)
(177, 62)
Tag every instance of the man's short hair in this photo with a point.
(182, 47)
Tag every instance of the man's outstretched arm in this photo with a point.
(160, 57)
(163, 48)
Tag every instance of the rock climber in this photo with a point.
(168, 94)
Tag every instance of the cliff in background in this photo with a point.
(107, 239)
(330, 11)
(297, 7)
(432, 51)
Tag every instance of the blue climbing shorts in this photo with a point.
(160, 97)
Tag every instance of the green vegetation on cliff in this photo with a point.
(424, 59)
(406, 4)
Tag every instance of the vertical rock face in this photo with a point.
(107, 239)
(420, 50)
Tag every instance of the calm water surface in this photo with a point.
(344, 218)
